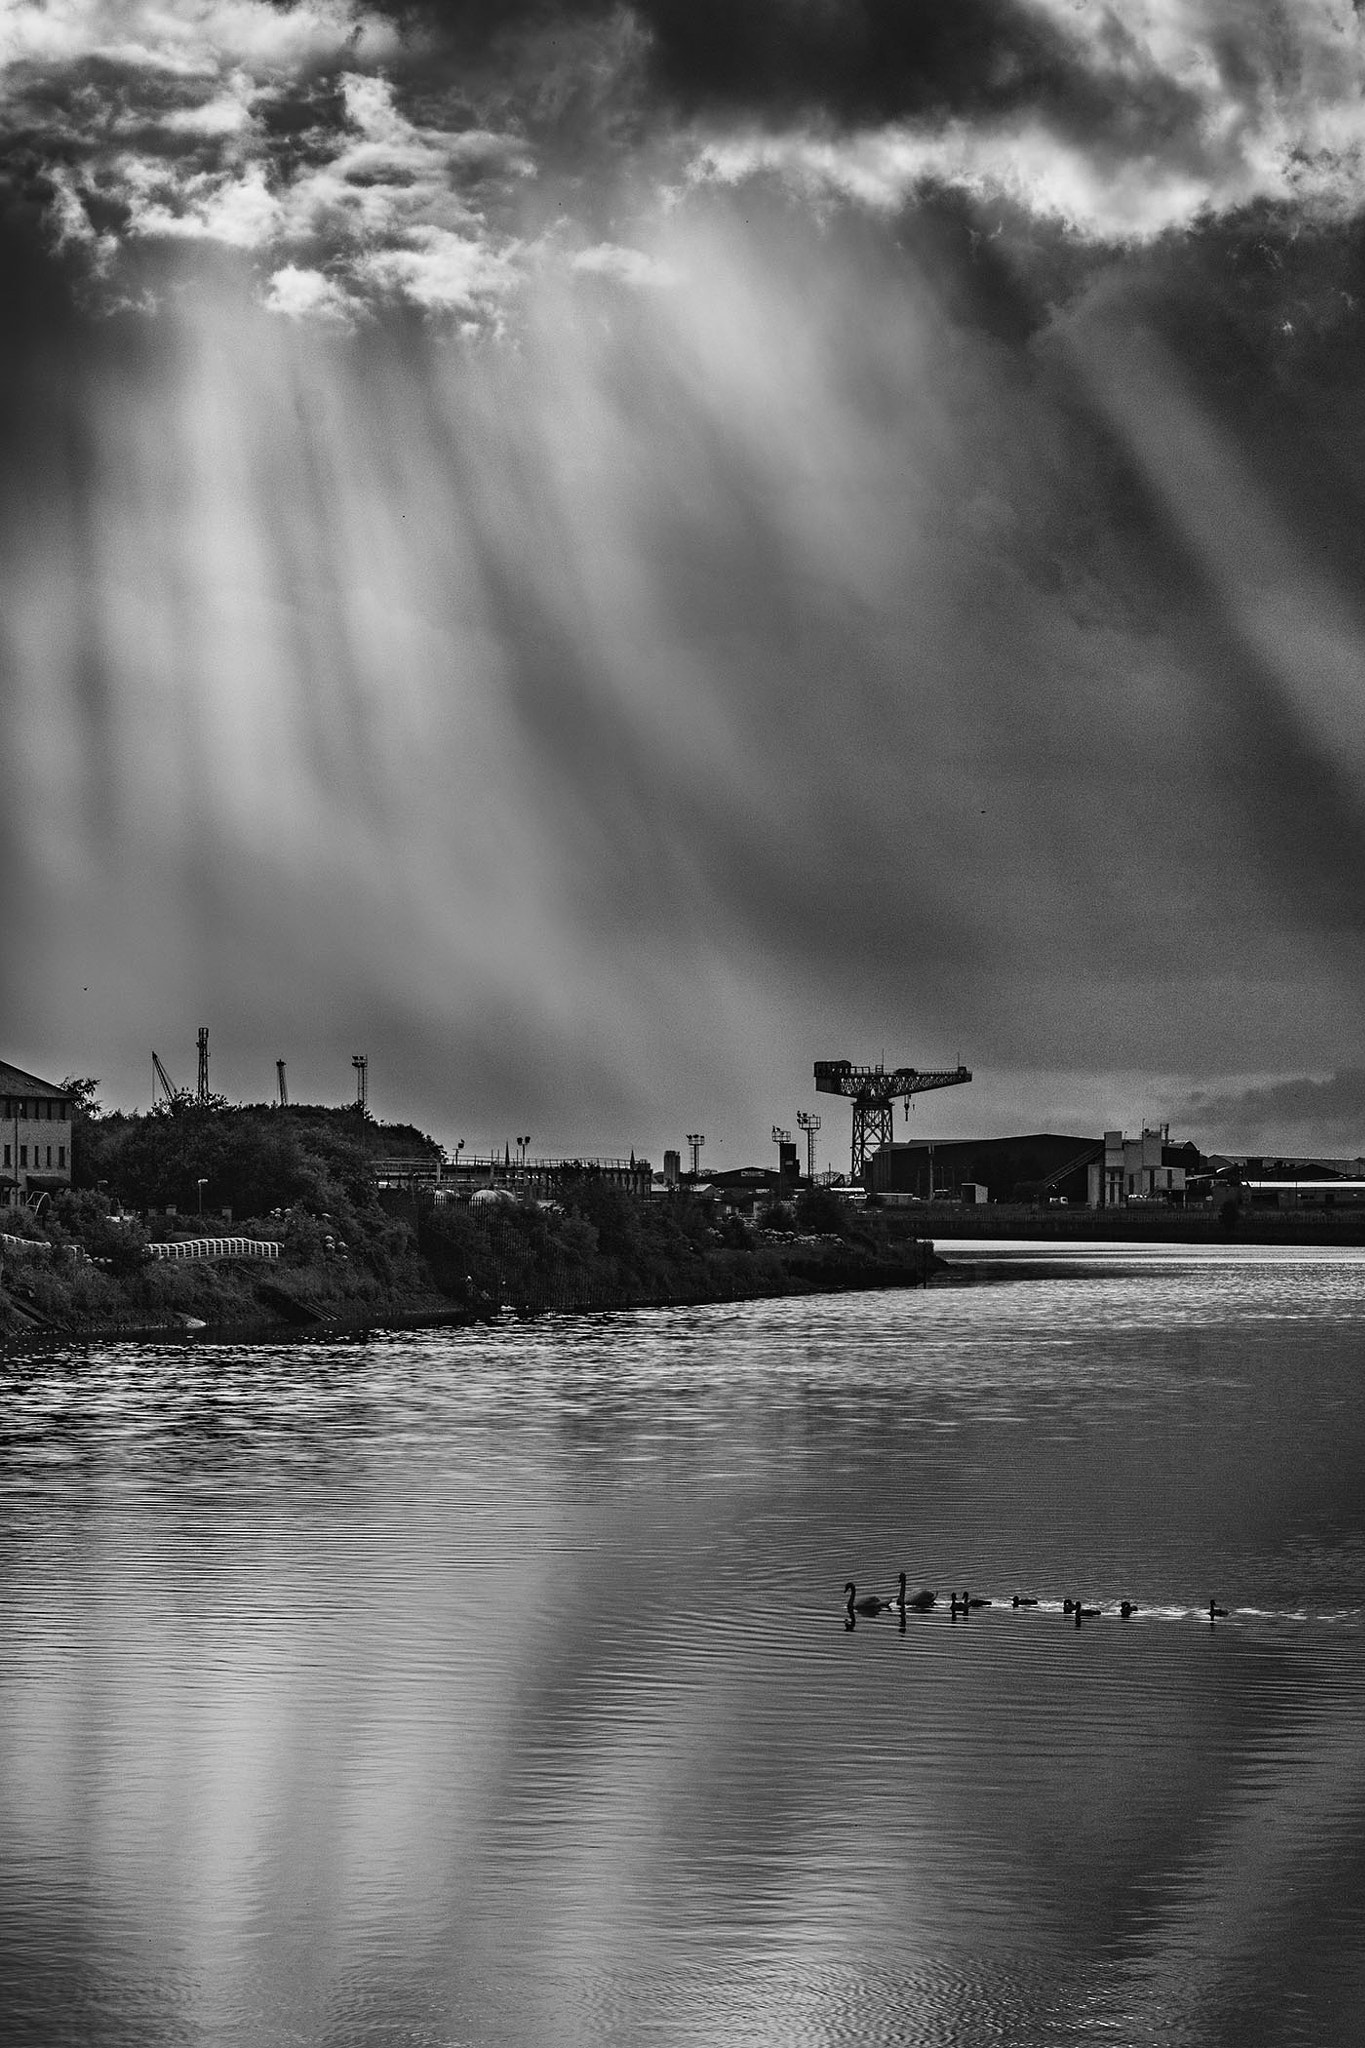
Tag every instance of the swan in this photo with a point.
(1127, 1607)
(1089, 1612)
(1217, 1613)
(869, 1604)
(967, 1602)
(922, 1601)
(1023, 1600)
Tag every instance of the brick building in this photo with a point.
(35, 1136)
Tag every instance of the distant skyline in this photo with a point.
(600, 554)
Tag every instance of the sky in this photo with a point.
(601, 554)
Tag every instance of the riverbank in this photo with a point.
(451, 1271)
(944, 1221)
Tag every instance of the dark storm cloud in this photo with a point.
(627, 545)
(1328, 1115)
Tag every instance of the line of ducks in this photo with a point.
(920, 1603)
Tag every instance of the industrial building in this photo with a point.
(35, 1136)
(1143, 1169)
(1042, 1166)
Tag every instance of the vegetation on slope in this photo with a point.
(306, 1179)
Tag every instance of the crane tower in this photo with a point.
(874, 1092)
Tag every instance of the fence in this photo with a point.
(216, 1248)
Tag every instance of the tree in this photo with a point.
(822, 1212)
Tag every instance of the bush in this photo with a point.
(822, 1212)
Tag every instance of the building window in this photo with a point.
(23, 1155)
(49, 1155)
(7, 1159)
(61, 1155)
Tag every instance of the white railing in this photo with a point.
(216, 1248)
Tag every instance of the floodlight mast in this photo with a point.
(874, 1092)
(807, 1121)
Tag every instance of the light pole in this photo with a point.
(810, 1124)
(201, 1184)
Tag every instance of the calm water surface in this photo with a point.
(495, 1686)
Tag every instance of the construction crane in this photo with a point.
(874, 1092)
(161, 1079)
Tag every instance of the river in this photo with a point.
(496, 1686)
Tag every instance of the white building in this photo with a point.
(1134, 1170)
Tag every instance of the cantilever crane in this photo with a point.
(874, 1091)
(159, 1074)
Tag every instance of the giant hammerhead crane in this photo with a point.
(874, 1091)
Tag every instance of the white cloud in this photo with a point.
(236, 210)
(1255, 105)
(192, 38)
(306, 295)
(626, 266)
(440, 271)
(373, 202)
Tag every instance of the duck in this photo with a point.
(1127, 1607)
(967, 1602)
(1090, 1613)
(1023, 1600)
(1068, 1607)
(871, 1603)
(1217, 1613)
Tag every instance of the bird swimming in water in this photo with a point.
(973, 1600)
(1217, 1613)
(922, 1601)
(1023, 1600)
(1127, 1607)
(870, 1603)
(1068, 1607)
(1090, 1613)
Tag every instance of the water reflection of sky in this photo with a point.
(494, 1685)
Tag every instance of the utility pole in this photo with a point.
(203, 1089)
(360, 1062)
(695, 1141)
(808, 1122)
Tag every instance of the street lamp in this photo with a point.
(201, 1184)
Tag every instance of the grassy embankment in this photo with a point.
(305, 1179)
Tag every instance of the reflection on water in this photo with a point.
(495, 1686)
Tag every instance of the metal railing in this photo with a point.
(216, 1248)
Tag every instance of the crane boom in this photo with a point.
(874, 1091)
(159, 1074)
